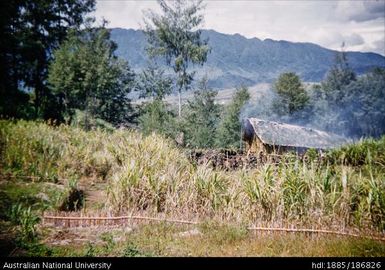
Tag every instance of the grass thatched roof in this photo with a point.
(281, 134)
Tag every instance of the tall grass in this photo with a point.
(363, 152)
(149, 173)
(48, 153)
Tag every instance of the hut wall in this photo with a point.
(256, 146)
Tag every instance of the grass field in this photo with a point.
(41, 164)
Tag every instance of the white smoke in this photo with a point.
(261, 106)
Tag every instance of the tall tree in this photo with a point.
(30, 31)
(174, 35)
(338, 76)
(155, 116)
(11, 99)
(89, 77)
(363, 112)
(292, 96)
(153, 83)
(334, 96)
(201, 118)
(229, 130)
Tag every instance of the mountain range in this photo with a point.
(235, 59)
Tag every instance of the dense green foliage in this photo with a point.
(175, 35)
(292, 96)
(369, 92)
(152, 83)
(88, 77)
(229, 129)
(201, 118)
(347, 104)
(330, 99)
(342, 103)
(157, 117)
(338, 76)
(30, 31)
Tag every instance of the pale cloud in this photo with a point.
(360, 11)
(360, 24)
(378, 46)
(354, 40)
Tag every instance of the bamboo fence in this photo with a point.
(69, 220)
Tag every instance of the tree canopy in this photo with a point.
(292, 96)
(89, 77)
(201, 117)
(152, 82)
(30, 32)
(348, 104)
(229, 129)
(174, 35)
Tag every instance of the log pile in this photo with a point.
(226, 159)
(232, 160)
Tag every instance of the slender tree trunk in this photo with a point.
(86, 122)
(38, 97)
(240, 138)
(179, 103)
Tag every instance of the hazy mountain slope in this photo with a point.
(235, 59)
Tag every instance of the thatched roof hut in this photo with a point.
(269, 136)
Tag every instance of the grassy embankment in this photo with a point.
(151, 176)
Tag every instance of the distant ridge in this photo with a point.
(236, 60)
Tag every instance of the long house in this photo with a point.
(268, 136)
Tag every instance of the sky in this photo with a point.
(359, 24)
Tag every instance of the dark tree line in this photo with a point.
(30, 31)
